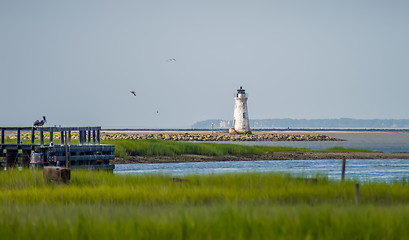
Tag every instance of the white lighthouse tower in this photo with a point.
(241, 123)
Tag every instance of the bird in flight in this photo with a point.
(171, 60)
(133, 92)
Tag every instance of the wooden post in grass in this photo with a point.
(67, 152)
(11, 158)
(357, 193)
(57, 174)
(343, 168)
(25, 158)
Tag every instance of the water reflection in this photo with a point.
(360, 169)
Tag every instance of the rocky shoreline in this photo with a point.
(199, 137)
(221, 137)
(271, 156)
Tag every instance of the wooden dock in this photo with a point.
(51, 146)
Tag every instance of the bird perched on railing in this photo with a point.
(39, 123)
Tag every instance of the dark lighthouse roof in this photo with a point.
(241, 91)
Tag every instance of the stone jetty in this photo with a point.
(221, 137)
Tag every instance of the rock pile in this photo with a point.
(222, 137)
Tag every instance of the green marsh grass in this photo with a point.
(341, 149)
(101, 205)
(154, 147)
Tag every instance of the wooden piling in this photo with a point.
(89, 137)
(18, 136)
(33, 136)
(98, 136)
(25, 158)
(93, 136)
(81, 137)
(67, 152)
(2, 136)
(42, 137)
(62, 138)
(343, 169)
(357, 193)
(11, 158)
(51, 135)
(57, 174)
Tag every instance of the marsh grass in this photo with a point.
(103, 187)
(100, 205)
(217, 221)
(341, 149)
(154, 147)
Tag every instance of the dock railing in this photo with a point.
(88, 152)
(87, 135)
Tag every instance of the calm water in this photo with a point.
(386, 170)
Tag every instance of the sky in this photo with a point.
(77, 61)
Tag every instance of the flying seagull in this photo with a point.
(40, 123)
(171, 60)
(133, 92)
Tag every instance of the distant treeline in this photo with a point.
(307, 123)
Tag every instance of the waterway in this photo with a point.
(385, 170)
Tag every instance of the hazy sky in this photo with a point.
(77, 61)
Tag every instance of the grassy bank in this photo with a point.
(153, 147)
(99, 205)
(215, 221)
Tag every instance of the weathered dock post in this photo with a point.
(25, 158)
(98, 136)
(33, 136)
(89, 136)
(18, 136)
(57, 174)
(62, 138)
(357, 193)
(67, 152)
(343, 169)
(11, 158)
(241, 123)
(94, 136)
(41, 137)
(51, 136)
(2, 136)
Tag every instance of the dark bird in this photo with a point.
(134, 93)
(171, 60)
(40, 123)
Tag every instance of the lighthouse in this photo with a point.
(241, 123)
